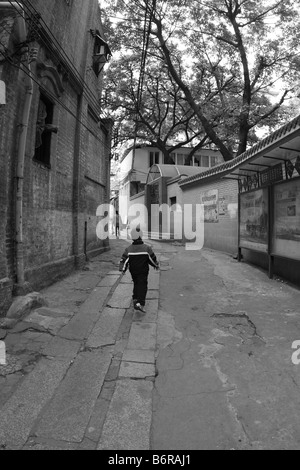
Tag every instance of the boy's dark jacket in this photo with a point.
(137, 257)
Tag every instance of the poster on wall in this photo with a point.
(223, 208)
(210, 200)
(286, 233)
(254, 220)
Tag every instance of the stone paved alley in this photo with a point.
(207, 367)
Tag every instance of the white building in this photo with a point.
(136, 162)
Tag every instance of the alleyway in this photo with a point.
(209, 366)
(225, 374)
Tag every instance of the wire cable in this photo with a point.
(146, 36)
(62, 51)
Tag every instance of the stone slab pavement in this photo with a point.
(71, 361)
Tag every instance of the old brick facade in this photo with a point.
(62, 190)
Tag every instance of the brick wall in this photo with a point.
(8, 135)
(58, 202)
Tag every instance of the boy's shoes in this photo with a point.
(139, 307)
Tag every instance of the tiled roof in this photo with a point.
(226, 167)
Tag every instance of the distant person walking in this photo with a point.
(138, 256)
(117, 224)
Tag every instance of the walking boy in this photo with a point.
(137, 257)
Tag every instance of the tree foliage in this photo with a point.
(161, 116)
(211, 70)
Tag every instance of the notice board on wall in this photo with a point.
(210, 200)
(254, 220)
(286, 230)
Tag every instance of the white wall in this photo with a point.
(221, 235)
(141, 164)
(124, 202)
(138, 211)
(125, 167)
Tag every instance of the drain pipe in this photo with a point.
(21, 145)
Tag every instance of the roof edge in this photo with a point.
(289, 128)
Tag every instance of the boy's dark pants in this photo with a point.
(140, 286)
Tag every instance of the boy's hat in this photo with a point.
(136, 233)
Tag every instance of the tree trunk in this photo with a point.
(205, 123)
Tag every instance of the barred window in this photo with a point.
(154, 158)
(44, 129)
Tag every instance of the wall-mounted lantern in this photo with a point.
(102, 52)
